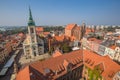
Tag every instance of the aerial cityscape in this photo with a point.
(72, 40)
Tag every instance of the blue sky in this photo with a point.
(60, 12)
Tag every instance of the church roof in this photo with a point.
(70, 26)
(31, 21)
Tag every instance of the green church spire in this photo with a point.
(31, 21)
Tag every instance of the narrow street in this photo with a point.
(11, 69)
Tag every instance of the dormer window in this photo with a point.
(69, 67)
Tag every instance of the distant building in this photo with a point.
(117, 31)
(75, 30)
(2, 29)
(39, 30)
(33, 44)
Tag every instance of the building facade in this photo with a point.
(72, 66)
(75, 30)
(58, 67)
(33, 44)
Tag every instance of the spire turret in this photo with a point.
(31, 21)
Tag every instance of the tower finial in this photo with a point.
(31, 21)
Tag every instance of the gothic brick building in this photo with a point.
(75, 30)
(33, 45)
(72, 66)
(59, 67)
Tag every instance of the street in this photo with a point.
(11, 69)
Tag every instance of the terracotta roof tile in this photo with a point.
(57, 63)
(70, 26)
(113, 47)
(46, 33)
(56, 53)
(39, 29)
(95, 40)
(23, 74)
(20, 34)
(109, 65)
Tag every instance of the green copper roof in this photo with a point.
(31, 21)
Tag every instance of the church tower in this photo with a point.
(32, 35)
(33, 45)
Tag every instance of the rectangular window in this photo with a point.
(31, 30)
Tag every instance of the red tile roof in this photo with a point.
(72, 38)
(88, 30)
(70, 26)
(56, 63)
(113, 47)
(53, 65)
(61, 38)
(46, 33)
(56, 53)
(24, 74)
(95, 40)
(110, 67)
(20, 34)
(39, 29)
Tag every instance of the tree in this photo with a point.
(51, 50)
(65, 48)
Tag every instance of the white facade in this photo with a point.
(102, 50)
(33, 44)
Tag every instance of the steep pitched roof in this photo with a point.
(56, 53)
(24, 74)
(59, 38)
(110, 67)
(59, 63)
(56, 63)
(39, 29)
(70, 26)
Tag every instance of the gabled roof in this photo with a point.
(24, 74)
(70, 26)
(56, 53)
(55, 67)
(110, 67)
(39, 29)
(57, 63)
